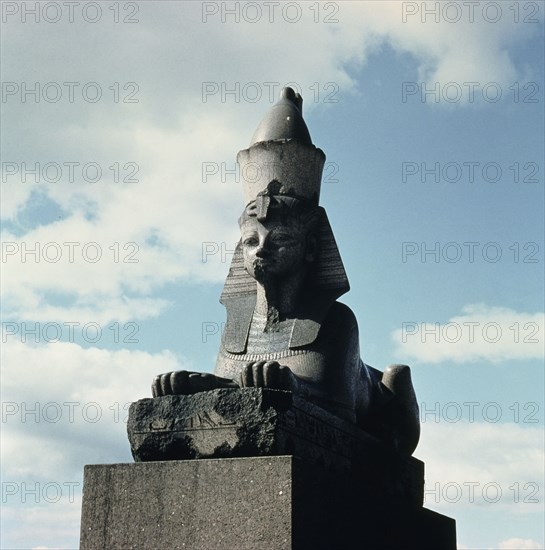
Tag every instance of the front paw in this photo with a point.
(184, 382)
(267, 374)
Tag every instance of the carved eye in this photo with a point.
(250, 241)
(281, 238)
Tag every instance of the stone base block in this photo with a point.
(254, 422)
(275, 502)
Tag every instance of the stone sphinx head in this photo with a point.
(284, 232)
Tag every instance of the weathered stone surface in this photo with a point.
(271, 503)
(194, 504)
(259, 422)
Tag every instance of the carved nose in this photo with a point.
(264, 247)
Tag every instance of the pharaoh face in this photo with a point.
(273, 249)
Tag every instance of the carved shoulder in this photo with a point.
(340, 319)
(340, 333)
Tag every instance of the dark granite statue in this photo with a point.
(285, 328)
(294, 442)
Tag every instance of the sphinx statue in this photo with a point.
(293, 442)
(286, 329)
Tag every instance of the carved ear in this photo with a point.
(312, 247)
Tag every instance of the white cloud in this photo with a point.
(171, 205)
(466, 51)
(511, 544)
(480, 332)
(482, 464)
(36, 524)
(520, 544)
(71, 404)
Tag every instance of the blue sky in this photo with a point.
(456, 173)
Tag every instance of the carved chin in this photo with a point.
(259, 271)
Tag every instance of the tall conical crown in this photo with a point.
(281, 151)
(284, 121)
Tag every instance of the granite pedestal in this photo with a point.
(262, 469)
(272, 503)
